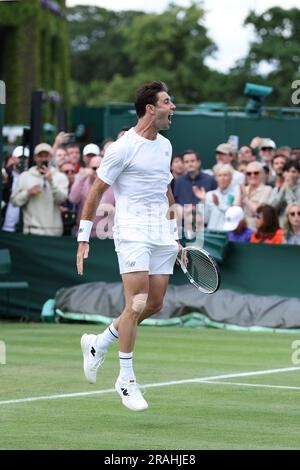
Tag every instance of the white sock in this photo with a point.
(105, 339)
(126, 366)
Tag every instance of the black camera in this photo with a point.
(45, 163)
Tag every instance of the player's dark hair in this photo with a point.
(147, 94)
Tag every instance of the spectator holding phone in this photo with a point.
(39, 192)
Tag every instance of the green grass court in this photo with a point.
(241, 412)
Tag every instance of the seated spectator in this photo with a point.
(236, 225)
(177, 168)
(217, 201)
(226, 155)
(278, 162)
(267, 226)
(289, 191)
(291, 224)
(193, 178)
(255, 193)
(295, 153)
(40, 192)
(242, 166)
(11, 174)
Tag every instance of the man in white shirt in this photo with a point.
(137, 166)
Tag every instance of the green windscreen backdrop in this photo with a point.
(49, 263)
(191, 129)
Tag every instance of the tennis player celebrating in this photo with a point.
(138, 167)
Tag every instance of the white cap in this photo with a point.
(268, 143)
(233, 216)
(20, 151)
(91, 149)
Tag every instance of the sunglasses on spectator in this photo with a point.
(258, 216)
(267, 148)
(95, 168)
(68, 172)
(294, 213)
(252, 173)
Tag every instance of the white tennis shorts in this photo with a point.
(144, 256)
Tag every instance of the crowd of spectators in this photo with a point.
(251, 193)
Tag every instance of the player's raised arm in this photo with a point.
(87, 216)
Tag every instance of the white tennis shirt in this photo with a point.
(138, 170)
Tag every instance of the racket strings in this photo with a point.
(202, 270)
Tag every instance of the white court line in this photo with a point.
(243, 384)
(159, 384)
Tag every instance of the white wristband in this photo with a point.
(85, 228)
(174, 229)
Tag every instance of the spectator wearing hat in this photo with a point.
(289, 191)
(186, 185)
(267, 226)
(255, 193)
(291, 224)
(236, 225)
(226, 155)
(267, 149)
(39, 192)
(18, 163)
(90, 151)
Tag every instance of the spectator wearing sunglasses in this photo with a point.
(289, 192)
(80, 190)
(254, 194)
(267, 226)
(291, 224)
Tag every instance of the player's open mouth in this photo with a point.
(170, 117)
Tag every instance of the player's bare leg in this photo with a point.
(136, 286)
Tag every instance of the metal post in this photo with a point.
(2, 104)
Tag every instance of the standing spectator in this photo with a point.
(193, 178)
(255, 193)
(246, 154)
(291, 224)
(19, 163)
(266, 153)
(73, 151)
(59, 157)
(289, 191)
(67, 208)
(90, 151)
(236, 225)
(81, 188)
(39, 192)
(267, 226)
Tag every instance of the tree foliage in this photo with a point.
(113, 52)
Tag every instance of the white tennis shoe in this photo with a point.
(92, 359)
(131, 395)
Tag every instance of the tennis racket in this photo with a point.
(200, 268)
